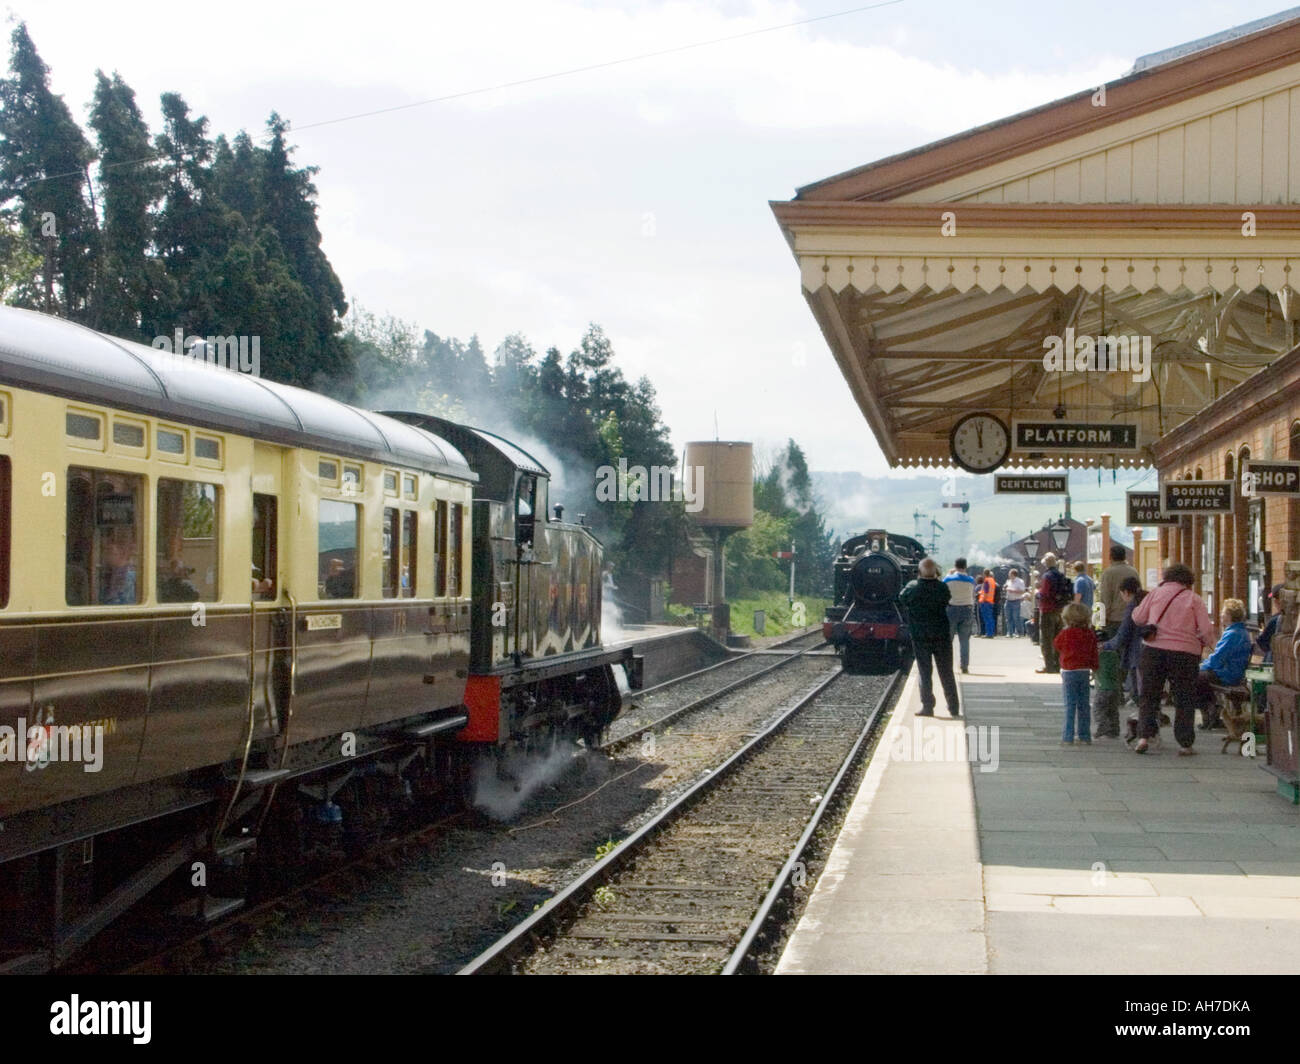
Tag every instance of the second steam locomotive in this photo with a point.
(866, 625)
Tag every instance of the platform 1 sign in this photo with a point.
(1270, 478)
(1183, 497)
(1043, 484)
(1104, 436)
(1144, 509)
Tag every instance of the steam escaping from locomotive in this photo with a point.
(502, 795)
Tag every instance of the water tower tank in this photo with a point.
(724, 481)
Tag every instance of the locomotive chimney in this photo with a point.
(559, 511)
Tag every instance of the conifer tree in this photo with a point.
(131, 288)
(44, 180)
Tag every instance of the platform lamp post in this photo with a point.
(1060, 537)
(1031, 549)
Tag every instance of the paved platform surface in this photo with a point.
(1086, 859)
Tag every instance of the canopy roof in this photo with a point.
(1162, 207)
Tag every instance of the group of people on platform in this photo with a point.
(1158, 635)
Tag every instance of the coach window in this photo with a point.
(336, 549)
(409, 487)
(440, 549)
(409, 556)
(392, 549)
(456, 540)
(207, 450)
(103, 538)
(171, 444)
(351, 480)
(189, 524)
(85, 427)
(129, 434)
(265, 560)
(5, 498)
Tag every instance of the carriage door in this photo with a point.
(1257, 579)
(273, 625)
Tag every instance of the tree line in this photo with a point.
(139, 233)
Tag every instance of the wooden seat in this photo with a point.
(1235, 712)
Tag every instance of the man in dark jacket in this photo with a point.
(1054, 592)
(926, 603)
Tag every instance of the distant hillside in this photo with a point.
(853, 502)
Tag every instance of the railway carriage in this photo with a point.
(235, 612)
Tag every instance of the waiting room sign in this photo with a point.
(1144, 509)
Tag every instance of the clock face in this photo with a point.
(980, 443)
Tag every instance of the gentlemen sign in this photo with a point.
(1144, 509)
(1045, 484)
(1073, 436)
(1180, 497)
(1270, 478)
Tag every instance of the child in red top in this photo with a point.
(1077, 646)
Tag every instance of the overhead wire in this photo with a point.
(516, 83)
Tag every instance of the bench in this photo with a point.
(1236, 712)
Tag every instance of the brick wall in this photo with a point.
(1269, 436)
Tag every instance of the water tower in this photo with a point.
(722, 473)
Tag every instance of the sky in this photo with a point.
(634, 195)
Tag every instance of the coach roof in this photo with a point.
(53, 355)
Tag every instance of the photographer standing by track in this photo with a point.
(926, 602)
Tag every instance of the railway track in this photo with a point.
(658, 706)
(186, 950)
(693, 890)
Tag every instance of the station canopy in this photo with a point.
(1166, 207)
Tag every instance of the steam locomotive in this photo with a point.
(866, 625)
(240, 619)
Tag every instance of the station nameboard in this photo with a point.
(1043, 484)
(1180, 497)
(1270, 478)
(1073, 436)
(1144, 509)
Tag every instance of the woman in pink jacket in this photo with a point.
(1171, 652)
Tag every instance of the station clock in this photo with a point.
(979, 443)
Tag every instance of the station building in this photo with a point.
(952, 284)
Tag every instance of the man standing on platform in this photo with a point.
(1014, 590)
(988, 597)
(1108, 589)
(961, 608)
(926, 603)
(1054, 592)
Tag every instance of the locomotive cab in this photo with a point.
(537, 667)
